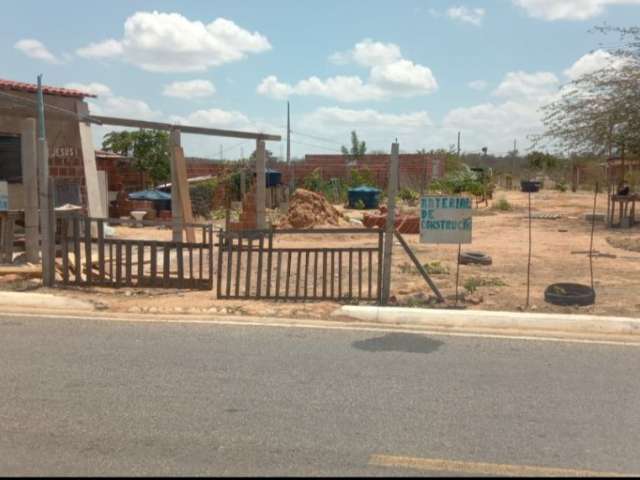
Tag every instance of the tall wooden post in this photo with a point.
(391, 223)
(95, 206)
(176, 204)
(261, 184)
(46, 205)
(30, 183)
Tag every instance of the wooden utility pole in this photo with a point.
(46, 204)
(391, 223)
(459, 133)
(261, 184)
(30, 182)
(176, 204)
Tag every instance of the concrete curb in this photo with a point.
(27, 300)
(481, 320)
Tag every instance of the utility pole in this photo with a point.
(292, 181)
(390, 225)
(513, 159)
(458, 144)
(221, 153)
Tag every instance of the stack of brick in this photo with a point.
(406, 224)
(248, 219)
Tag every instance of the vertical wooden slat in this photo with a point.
(350, 274)
(154, 264)
(306, 275)
(219, 272)
(101, 251)
(191, 264)
(87, 251)
(180, 258)
(129, 254)
(380, 249)
(239, 265)
(370, 274)
(333, 273)
(286, 294)
(140, 281)
(111, 277)
(229, 241)
(166, 266)
(269, 263)
(278, 262)
(324, 274)
(201, 262)
(259, 279)
(76, 249)
(299, 267)
(65, 250)
(118, 264)
(210, 256)
(315, 274)
(247, 289)
(359, 274)
(340, 274)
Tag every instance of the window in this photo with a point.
(10, 159)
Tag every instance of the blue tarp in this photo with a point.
(153, 195)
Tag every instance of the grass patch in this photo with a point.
(472, 284)
(436, 268)
(631, 244)
(503, 205)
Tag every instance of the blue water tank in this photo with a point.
(370, 196)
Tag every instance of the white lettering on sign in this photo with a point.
(66, 151)
(445, 219)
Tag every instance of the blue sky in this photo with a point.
(417, 70)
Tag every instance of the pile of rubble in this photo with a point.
(308, 209)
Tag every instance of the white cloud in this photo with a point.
(531, 86)
(35, 49)
(333, 116)
(478, 85)
(568, 9)
(592, 62)
(214, 118)
(464, 14)
(106, 49)
(169, 42)
(390, 75)
(94, 88)
(190, 89)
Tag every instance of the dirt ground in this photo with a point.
(502, 286)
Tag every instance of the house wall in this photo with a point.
(63, 139)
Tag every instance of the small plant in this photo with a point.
(409, 196)
(436, 268)
(407, 269)
(503, 205)
(202, 198)
(472, 284)
(561, 186)
(359, 205)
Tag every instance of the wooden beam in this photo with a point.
(95, 206)
(180, 165)
(125, 122)
(30, 183)
(390, 226)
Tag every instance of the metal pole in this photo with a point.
(390, 225)
(458, 272)
(44, 197)
(261, 185)
(593, 229)
(529, 261)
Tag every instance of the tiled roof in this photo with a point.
(32, 88)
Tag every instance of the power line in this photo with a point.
(315, 146)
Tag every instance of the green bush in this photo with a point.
(408, 195)
(561, 186)
(473, 283)
(202, 198)
(362, 177)
(359, 205)
(503, 205)
(436, 268)
(461, 181)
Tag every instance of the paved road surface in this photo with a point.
(85, 397)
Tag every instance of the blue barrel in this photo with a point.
(369, 196)
(274, 178)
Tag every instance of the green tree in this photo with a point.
(149, 148)
(358, 149)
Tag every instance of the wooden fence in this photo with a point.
(91, 258)
(251, 266)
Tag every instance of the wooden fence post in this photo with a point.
(390, 225)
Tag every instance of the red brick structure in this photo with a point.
(414, 168)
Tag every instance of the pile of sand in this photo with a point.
(309, 209)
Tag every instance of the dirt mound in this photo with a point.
(309, 209)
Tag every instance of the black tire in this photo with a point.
(475, 258)
(570, 294)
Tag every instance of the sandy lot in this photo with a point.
(502, 235)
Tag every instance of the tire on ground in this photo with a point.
(570, 294)
(475, 258)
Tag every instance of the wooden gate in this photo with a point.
(252, 266)
(90, 258)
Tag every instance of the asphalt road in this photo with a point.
(85, 397)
